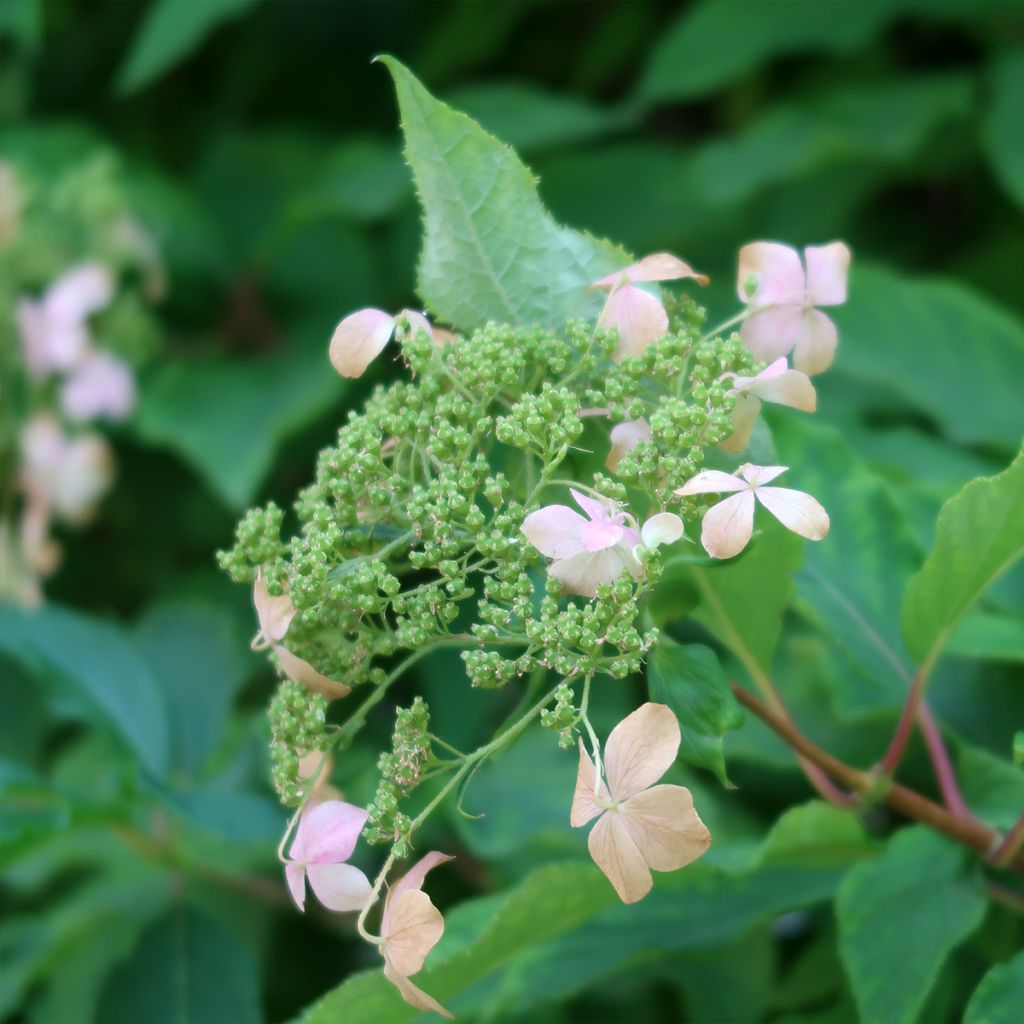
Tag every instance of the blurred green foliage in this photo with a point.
(255, 141)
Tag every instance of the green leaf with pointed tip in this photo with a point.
(490, 251)
(978, 537)
(689, 679)
(916, 897)
(1000, 996)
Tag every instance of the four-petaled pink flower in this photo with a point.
(411, 926)
(776, 383)
(587, 551)
(275, 615)
(641, 827)
(100, 385)
(639, 316)
(729, 525)
(361, 336)
(326, 836)
(54, 330)
(784, 298)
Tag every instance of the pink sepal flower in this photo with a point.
(54, 329)
(641, 826)
(776, 383)
(326, 836)
(729, 525)
(625, 437)
(411, 926)
(275, 615)
(361, 336)
(785, 295)
(639, 317)
(100, 385)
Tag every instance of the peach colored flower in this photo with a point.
(639, 317)
(361, 336)
(785, 296)
(326, 836)
(776, 383)
(275, 615)
(729, 525)
(641, 826)
(625, 437)
(411, 926)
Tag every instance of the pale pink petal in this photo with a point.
(665, 828)
(555, 531)
(827, 270)
(295, 876)
(625, 437)
(31, 320)
(584, 805)
(412, 880)
(100, 385)
(596, 508)
(640, 749)
(86, 472)
(816, 346)
(583, 573)
(359, 339)
(416, 323)
(712, 481)
(299, 671)
(796, 511)
(744, 416)
(274, 614)
(777, 273)
(773, 332)
(339, 887)
(598, 534)
(728, 526)
(757, 476)
(413, 928)
(663, 528)
(328, 832)
(638, 316)
(615, 853)
(413, 994)
(659, 266)
(790, 387)
(81, 291)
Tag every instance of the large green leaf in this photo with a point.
(988, 635)
(940, 347)
(491, 251)
(689, 679)
(99, 669)
(916, 898)
(186, 967)
(171, 30)
(978, 537)
(742, 601)
(227, 417)
(1003, 137)
(1000, 996)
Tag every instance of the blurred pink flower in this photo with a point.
(784, 297)
(729, 525)
(410, 927)
(326, 836)
(361, 336)
(274, 615)
(776, 383)
(100, 385)
(639, 317)
(54, 330)
(641, 827)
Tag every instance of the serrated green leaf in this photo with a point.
(906, 336)
(978, 537)
(689, 679)
(491, 251)
(999, 997)
(915, 897)
(1001, 131)
(99, 668)
(171, 30)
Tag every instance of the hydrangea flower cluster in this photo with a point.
(74, 333)
(441, 518)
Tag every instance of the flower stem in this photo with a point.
(905, 727)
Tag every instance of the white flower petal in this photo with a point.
(555, 531)
(615, 853)
(663, 528)
(274, 614)
(827, 270)
(295, 876)
(756, 476)
(584, 572)
(359, 339)
(584, 806)
(816, 346)
(777, 273)
(414, 927)
(712, 481)
(666, 829)
(639, 317)
(299, 671)
(339, 887)
(728, 526)
(640, 749)
(625, 437)
(744, 416)
(413, 994)
(796, 511)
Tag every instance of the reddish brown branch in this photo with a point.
(907, 802)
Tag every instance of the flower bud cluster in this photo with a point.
(563, 718)
(297, 720)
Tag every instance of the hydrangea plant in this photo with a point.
(574, 427)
